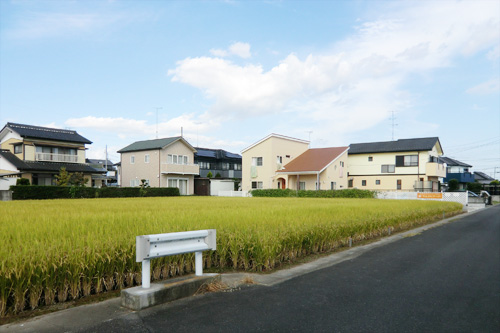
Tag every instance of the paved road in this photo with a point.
(446, 279)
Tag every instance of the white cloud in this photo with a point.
(357, 82)
(239, 49)
(489, 87)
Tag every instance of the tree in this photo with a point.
(474, 187)
(495, 182)
(77, 179)
(63, 178)
(453, 185)
(209, 174)
(23, 181)
(218, 175)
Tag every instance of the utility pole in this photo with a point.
(106, 167)
(393, 118)
(309, 137)
(157, 108)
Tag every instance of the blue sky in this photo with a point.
(231, 72)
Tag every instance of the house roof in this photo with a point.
(419, 144)
(274, 135)
(34, 166)
(47, 133)
(313, 160)
(482, 176)
(215, 153)
(154, 144)
(452, 162)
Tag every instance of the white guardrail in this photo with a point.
(161, 245)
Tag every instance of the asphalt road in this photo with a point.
(446, 279)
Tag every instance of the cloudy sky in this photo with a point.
(231, 72)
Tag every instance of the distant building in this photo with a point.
(459, 171)
(167, 162)
(38, 153)
(218, 161)
(107, 175)
(482, 178)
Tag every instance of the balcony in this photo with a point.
(180, 169)
(49, 157)
(464, 177)
(433, 169)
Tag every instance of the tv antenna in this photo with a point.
(157, 109)
(309, 137)
(393, 118)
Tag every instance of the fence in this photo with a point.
(460, 197)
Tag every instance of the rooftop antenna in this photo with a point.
(182, 132)
(309, 137)
(393, 118)
(157, 108)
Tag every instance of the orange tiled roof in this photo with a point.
(314, 160)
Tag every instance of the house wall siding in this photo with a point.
(139, 169)
(268, 150)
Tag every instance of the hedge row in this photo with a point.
(349, 193)
(67, 192)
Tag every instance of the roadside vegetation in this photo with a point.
(58, 250)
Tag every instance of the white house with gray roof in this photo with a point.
(167, 162)
(402, 165)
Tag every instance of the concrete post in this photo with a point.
(146, 274)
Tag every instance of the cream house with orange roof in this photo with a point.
(261, 160)
(316, 169)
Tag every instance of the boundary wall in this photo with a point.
(460, 197)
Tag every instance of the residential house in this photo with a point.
(315, 169)
(167, 162)
(218, 161)
(402, 165)
(482, 178)
(261, 160)
(459, 171)
(38, 153)
(107, 175)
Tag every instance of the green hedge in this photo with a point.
(349, 193)
(67, 192)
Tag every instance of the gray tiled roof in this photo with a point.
(420, 144)
(452, 162)
(149, 144)
(47, 133)
(482, 176)
(215, 153)
(34, 166)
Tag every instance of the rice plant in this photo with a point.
(56, 250)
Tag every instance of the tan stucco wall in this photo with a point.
(9, 144)
(153, 170)
(387, 183)
(268, 150)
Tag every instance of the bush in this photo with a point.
(474, 187)
(78, 192)
(348, 193)
(453, 185)
(23, 182)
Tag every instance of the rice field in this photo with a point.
(58, 250)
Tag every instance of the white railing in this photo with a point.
(49, 157)
(160, 245)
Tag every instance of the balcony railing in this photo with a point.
(433, 169)
(183, 169)
(48, 157)
(465, 177)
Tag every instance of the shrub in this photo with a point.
(348, 193)
(22, 182)
(453, 185)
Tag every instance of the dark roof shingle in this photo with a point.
(420, 144)
(452, 162)
(47, 133)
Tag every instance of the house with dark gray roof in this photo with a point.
(38, 153)
(459, 171)
(482, 178)
(402, 165)
(166, 162)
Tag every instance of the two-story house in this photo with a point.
(402, 165)
(218, 161)
(261, 160)
(457, 170)
(38, 153)
(107, 175)
(167, 162)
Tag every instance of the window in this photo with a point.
(174, 159)
(388, 168)
(237, 166)
(370, 158)
(350, 183)
(134, 182)
(302, 185)
(257, 185)
(257, 161)
(180, 183)
(377, 182)
(169, 159)
(279, 159)
(333, 186)
(225, 166)
(18, 149)
(406, 160)
(146, 158)
(132, 159)
(341, 164)
(399, 184)
(363, 183)
(185, 158)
